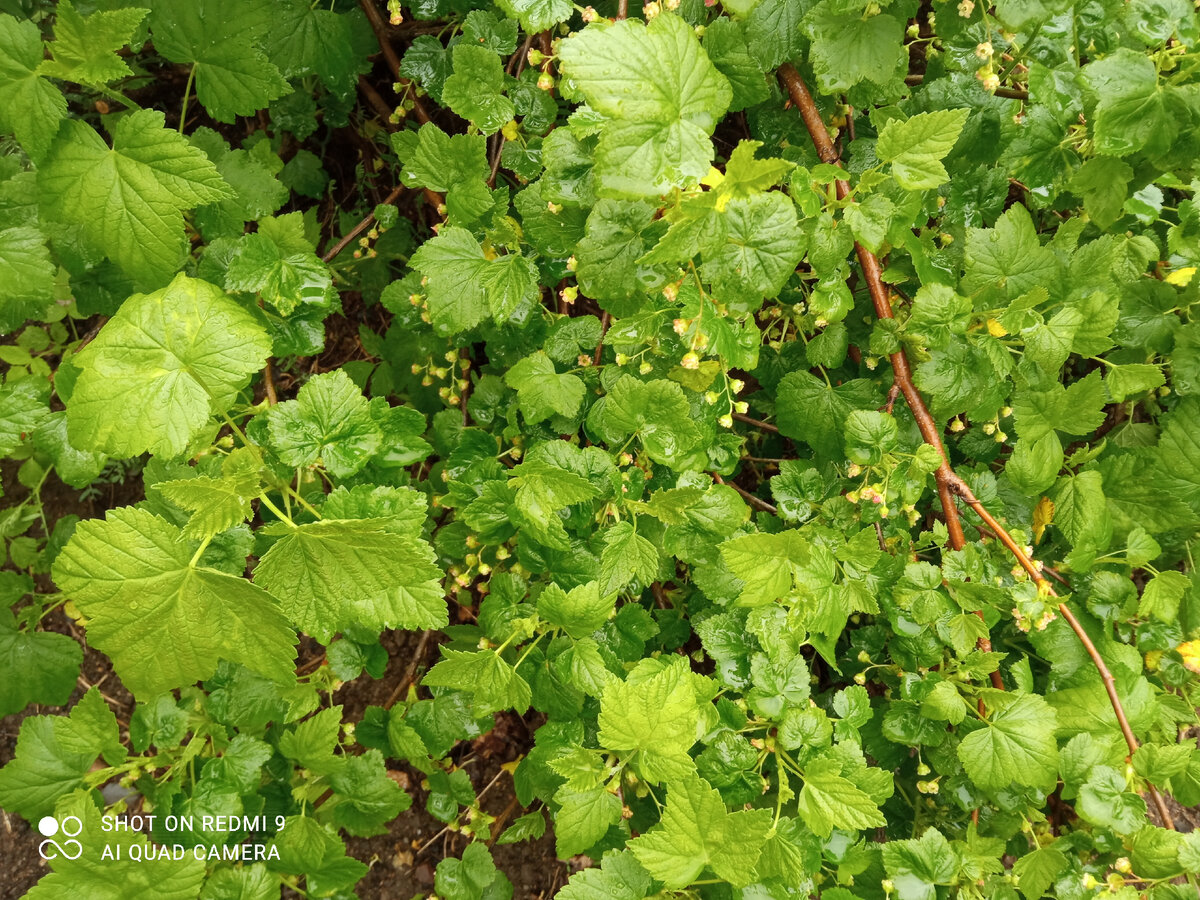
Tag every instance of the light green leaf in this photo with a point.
(762, 247)
(464, 285)
(620, 877)
(485, 674)
(656, 718)
(30, 106)
(1162, 595)
(537, 15)
(579, 612)
(27, 276)
(335, 573)
(128, 201)
(828, 801)
(329, 423)
(23, 408)
(541, 391)
(164, 621)
(456, 166)
(35, 666)
(221, 39)
(626, 556)
(657, 412)
(281, 267)
(766, 564)
(1016, 746)
(915, 147)
(850, 45)
(161, 368)
(696, 832)
(1134, 113)
(661, 97)
(476, 89)
(85, 50)
(583, 818)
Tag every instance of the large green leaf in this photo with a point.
(332, 574)
(661, 97)
(128, 200)
(164, 620)
(161, 368)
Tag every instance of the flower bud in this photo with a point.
(545, 82)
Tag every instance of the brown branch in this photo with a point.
(377, 103)
(605, 319)
(380, 27)
(410, 673)
(746, 495)
(1045, 588)
(269, 384)
(359, 228)
(622, 9)
(765, 426)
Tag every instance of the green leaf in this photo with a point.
(541, 391)
(655, 717)
(27, 275)
(329, 423)
(1036, 871)
(1008, 259)
(626, 556)
(537, 15)
(216, 504)
(279, 264)
(164, 621)
(161, 368)
(1103, 184)
(915, 147)
(1016, 746)
(85, 50)
(1105, 800)
(850, 45)
(661, 98)
(485, 674)
(580, 612)
(331, 574)
(220, 38)
(1162, 595)
(364, 798)
(766, 564)
(828, 801)
(456, 166)
(762, 247)
(696, 832)
(465, 285)
(30, 106)
(1133, 113)
(619, 877)
(155, 174)
(476, 89)
(812, 411)
(655, 411)
(304, 39)
(583, 818)
(918, 865)
(35, 666)
(23, 408)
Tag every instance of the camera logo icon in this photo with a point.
(71, 827)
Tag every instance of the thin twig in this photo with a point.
(757, 423)
(622, 9)
(605, 319)
(417, 657)
(881, 300)
(377, 103)
(269, 384)
(380, 27)
(749, 497)
(1045, 588)
(359, 228)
